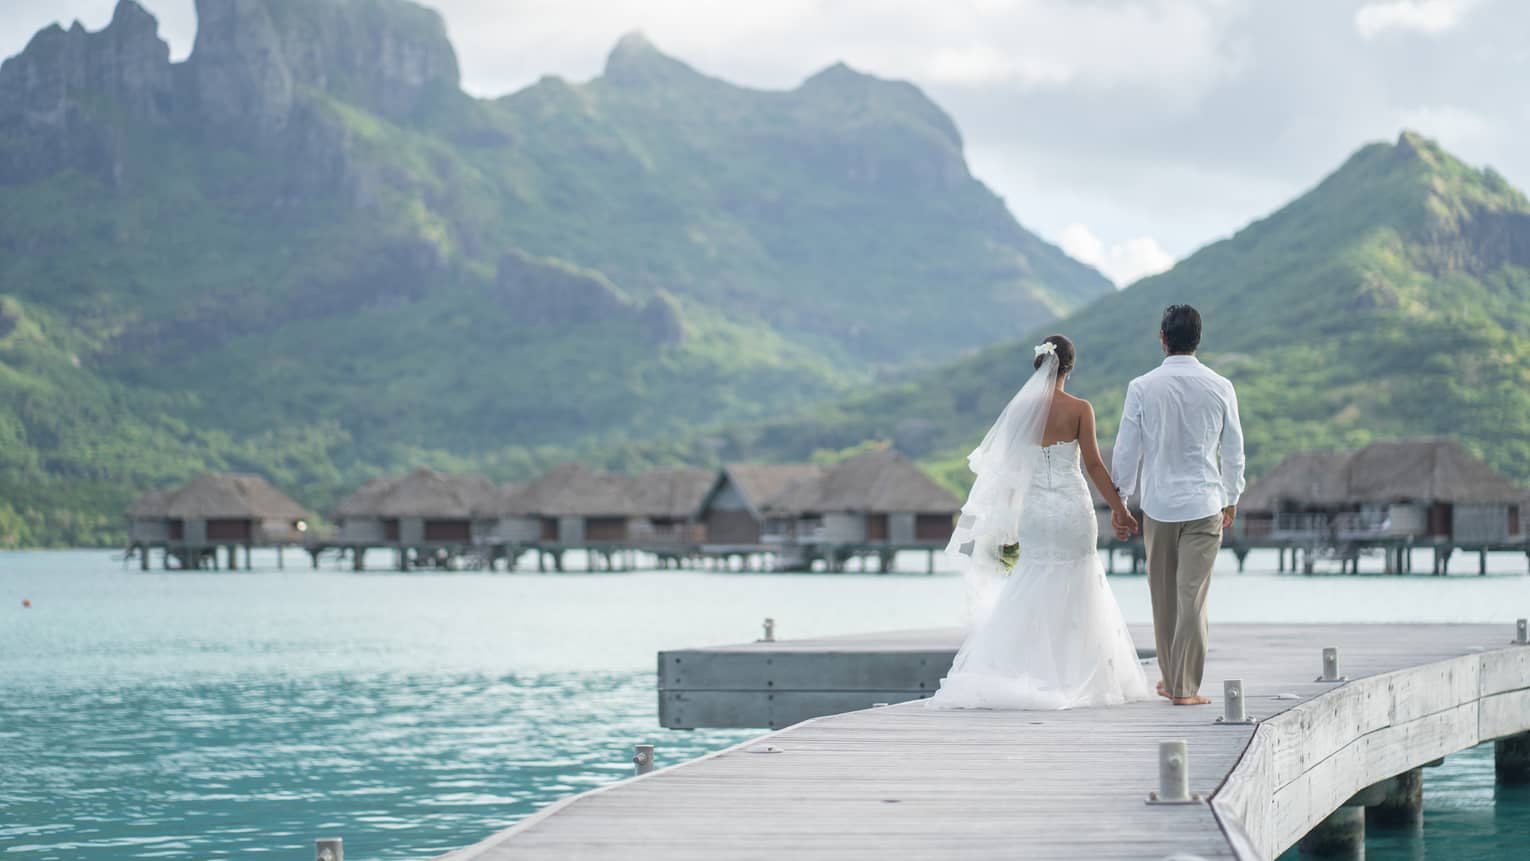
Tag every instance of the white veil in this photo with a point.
(1002, 464)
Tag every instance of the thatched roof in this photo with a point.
(421, 493)
(762, 482)
(364, 502)
(153, 505)
(1433, 470)
(1306, 478)
(1422, 470)
(572, 490)
(671, 492)
(872, 482)
(219, 496)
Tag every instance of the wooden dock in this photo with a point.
(907, 782)
(772, 684)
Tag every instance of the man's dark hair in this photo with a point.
(1181, 328)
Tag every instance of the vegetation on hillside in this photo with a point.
(305, 252)
(1392, 300)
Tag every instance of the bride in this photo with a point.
(1050, 636)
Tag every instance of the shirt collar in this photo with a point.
(1172, 361)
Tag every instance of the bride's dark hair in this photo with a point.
(1064, 354)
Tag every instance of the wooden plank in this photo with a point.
(906, 781)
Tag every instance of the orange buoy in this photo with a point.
(26, 602)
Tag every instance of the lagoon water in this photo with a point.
(207, 715)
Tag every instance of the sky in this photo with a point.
(1130, 132)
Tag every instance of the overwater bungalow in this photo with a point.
(668, 503)
(877, 497)
(733, 508)
(570, 504)
(423, 510)
(1423, 489)
(214, 510)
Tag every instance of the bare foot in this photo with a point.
(1191, 701)
(1163, 691)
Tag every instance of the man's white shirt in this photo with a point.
(1180, 426)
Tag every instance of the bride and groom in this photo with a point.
(1049, 635)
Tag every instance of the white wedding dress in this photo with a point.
(1053, 638)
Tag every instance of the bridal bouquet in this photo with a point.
(1009, 554)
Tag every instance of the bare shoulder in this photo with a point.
(1073, 407)
(1076, 404)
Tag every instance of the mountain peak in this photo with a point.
(849, 89)
(635, 61)
(251, 56)
(52, 94)
(635, 44)
(128, 14)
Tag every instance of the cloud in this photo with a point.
(1451, 125)
(1421, 16)
(1172, 49)
(1122, 262)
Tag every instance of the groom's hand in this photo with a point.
(1228, 514)
(1124, 523)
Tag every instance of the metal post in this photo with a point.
(1173, 775)
(1330, 666)
(328, 849)
(1232, 703)
(1522, 632)
(642, 761)
(770, 631)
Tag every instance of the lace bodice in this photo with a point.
(1058, 521)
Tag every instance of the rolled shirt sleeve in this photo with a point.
(1231, 449)
(1126, 457)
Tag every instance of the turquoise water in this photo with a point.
(231, 715)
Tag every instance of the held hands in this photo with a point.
(1125, 524)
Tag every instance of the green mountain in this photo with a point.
(1391, 300)
(304, 251)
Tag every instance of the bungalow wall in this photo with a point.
(1407, 518)
(361, 530)
(934, 528)
(667, 530)
(1486, 523)
(193, 532)
(447, 530)
(904, 528)
(410, 530)
(515, 530)
(149, 531)
(601, 530)
(277, 531)
(842, 528)
(728, 519)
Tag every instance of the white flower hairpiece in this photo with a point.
(1045, 348)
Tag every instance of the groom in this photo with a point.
(1180, 426)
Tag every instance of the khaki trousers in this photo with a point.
(1179, 560)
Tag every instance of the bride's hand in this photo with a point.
(1125, 524)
